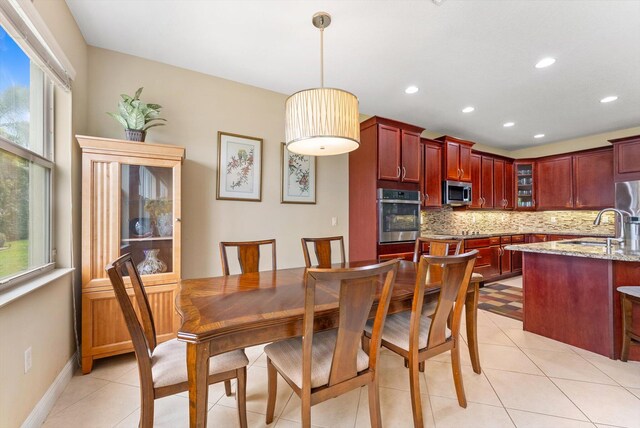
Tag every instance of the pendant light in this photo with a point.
(322, 121)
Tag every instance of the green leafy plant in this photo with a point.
(135, 115)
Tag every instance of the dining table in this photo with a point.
(225, 313)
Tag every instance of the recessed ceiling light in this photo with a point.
(411, 89)
(508, 124)
(545, 62)
(538, 136)
(468, 109)
(608, 99)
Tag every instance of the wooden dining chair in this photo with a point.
(324, 365)
(629, 296)
(437, 247)
(417, 336)
(322, 248)
(248, 255)
(162, 366)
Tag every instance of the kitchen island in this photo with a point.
(569, 292)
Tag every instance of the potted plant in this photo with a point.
(136, 116)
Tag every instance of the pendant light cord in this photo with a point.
(322, 57)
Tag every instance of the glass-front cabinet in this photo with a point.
(130, 204)
(525, 185)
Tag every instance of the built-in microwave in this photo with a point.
(456, 193)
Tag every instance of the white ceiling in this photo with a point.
(480, 53)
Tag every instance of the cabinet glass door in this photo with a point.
(147, 217)
(524, 180)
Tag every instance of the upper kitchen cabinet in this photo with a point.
(432, 174)
(593, 179)
(399, 151)
(457, 158)
(502, 183)
(525, 185)
(554, 183)
(482, 181)
(626, 158)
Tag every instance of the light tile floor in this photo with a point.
(527, 381)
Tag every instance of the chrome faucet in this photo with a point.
(621, 214)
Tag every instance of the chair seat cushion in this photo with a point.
(286, 355)
(169, 363)
(630, 290)
(396, 329)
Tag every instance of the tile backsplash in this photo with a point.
(449, 221)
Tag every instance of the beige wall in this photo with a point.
(197, 106)
(40, 320)
(44, 319)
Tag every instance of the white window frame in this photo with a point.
(47, 162)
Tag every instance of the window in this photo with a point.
(26, 95)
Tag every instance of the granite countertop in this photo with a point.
(520, 232)
(563, 248)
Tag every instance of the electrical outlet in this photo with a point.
(334, 221)
(27, 360)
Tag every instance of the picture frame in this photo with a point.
(298, 177)
(239, 168)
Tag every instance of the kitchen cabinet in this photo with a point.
(626, 158)
(505, 255)
(390, 157)
(537, 237)
(525, 185)
(403, 250)
(456, 158)
(482, 181)
(488, 258)
(502, 184)
(593, 179)
(554, 183)
(130, 204)
(432, 174)
(399, 154)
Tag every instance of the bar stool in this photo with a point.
(629, 296)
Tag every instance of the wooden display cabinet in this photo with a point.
(130, 204)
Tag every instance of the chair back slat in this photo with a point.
(322, 249)
(141, 328)
(358, 287)
(454, 274)
(248, 255)
(437, 247)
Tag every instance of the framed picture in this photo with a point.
(239, 167)
(298, 178)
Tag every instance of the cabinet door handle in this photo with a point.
(178, 219)
(426, 196)
(461, 172)
(404, 173)
(398, 173)
(534, 202)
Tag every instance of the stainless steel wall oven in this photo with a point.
(398, 215)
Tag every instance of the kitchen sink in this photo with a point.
(586, 243)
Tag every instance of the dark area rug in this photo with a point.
(502, 300)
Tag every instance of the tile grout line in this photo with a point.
(554, 384)
(76, 402)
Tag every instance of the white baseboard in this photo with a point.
(41, 410)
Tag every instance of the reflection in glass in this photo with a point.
(147, 217)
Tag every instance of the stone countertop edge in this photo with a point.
(528, 232)
(555, 247)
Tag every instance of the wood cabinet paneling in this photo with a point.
(593, 179)
(481, 181)
(411, 156)
(476, 180)
(432, 174)
(626, 158)
(389, 156)
(525, 185)
(399, 154)
(389, 153)
(502, 184)
(457, 158)
(130, 204)
(554, 183)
